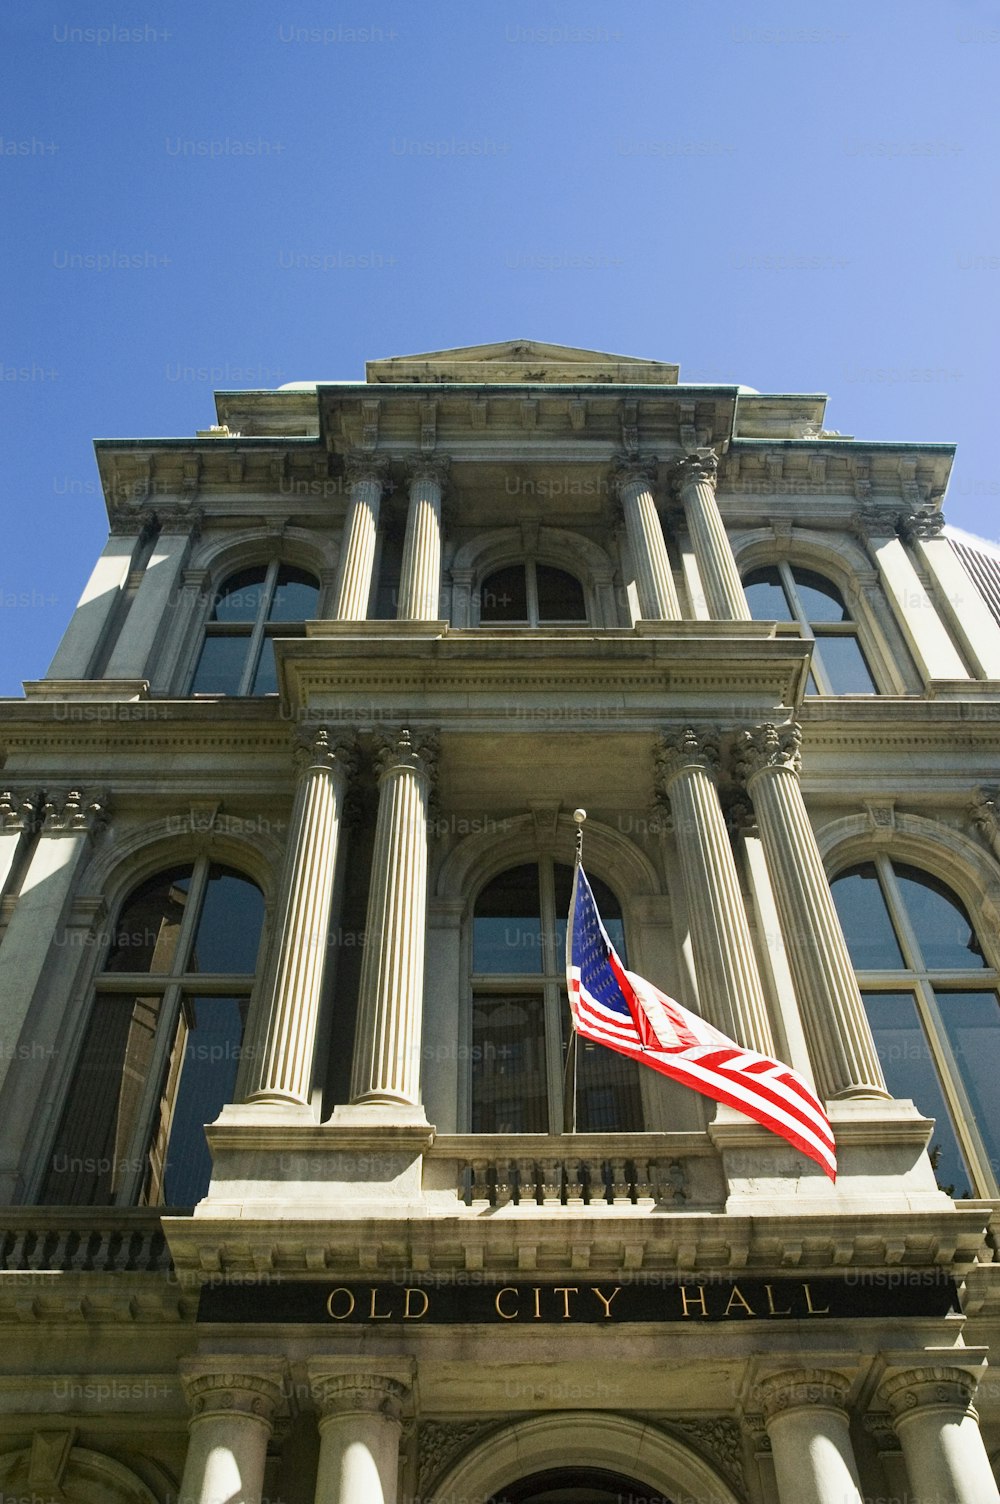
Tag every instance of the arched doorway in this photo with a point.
(578, 1485)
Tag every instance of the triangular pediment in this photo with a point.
(521, 360)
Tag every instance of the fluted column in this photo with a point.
(729, 983)
(840, 1040)
(695, 480)
(149, 611)
(420, 578)
(233, 1406)
(390, 1008)
(71, 821)
(367, 477)
(806, 1419)
(283, 1063)
(360, 1425)
(633, 482)
(939, 1433)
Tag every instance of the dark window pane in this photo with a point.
(390, 572)
(89, 1161)
(507, 927)
(560, 595)
(608, 907)
(766, 595)
(201, 1078)
(509, 1089)
(149, 924)
(972, 1023)
(265, 680)
(909, 1072)
(295, 596)
(229, 928)
(946, 938)
(220, 667)
(865, 920)
(820, 599)
(504, 595)
(845, 666)
(608, 1095)
(240, 598)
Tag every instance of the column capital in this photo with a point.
(768, 748)
(337, 1393)
(319, 747)
(690, 747)
(402, 748)
(801, 1388)
(18, 810)
(926, 521)
(70, 812)
(700, 467)
(872, 520)
(177, 517)
(360, 466)
(633, 469)
(132, 520)
(919, 1388)
(222, 1387)
(427, 467)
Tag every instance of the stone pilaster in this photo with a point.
(845, 1061)
(420, 579)
(18, 813)
(969, 618)
(233, 1405)
(283, 1064)
(90, 621)
(150, 608)
(360, 1426)
(367, 477)
(633, 482)
(933, 650)
(390, 1008)
(695, 480)
(71, 819)
(728, 979)
(939, 1433)
(806, 1418)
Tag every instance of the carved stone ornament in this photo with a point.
(924, 522)
(256, 1395)
(768, 747)
(359, 467)
(17, 811)
(918, 1387)
(368, 1393)
(322, 748)
(72, 812)
(798, 1389)
(406, 749)
(439, 1443)
(878, 1424)
(718, 1439)
(702, 467)
(633, 469)
(984, 814)
(133, 517)
(427, 467)
(692, 746)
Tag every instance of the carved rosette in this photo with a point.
(700, 468)
(336, 1395)
(255, 1395)
(324, 749)
(768, 748)
(920, 1388)
(17, 811)
(801, 1389)
(691, 747)
(360, 467)
(73, 812)
(924, 522)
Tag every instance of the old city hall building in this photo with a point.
(286, 846)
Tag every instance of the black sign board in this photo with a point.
(458, 1301)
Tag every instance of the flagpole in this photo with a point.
(569, 1075)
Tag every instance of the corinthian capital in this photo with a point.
(427, 467)
(323, 748)
(72, 812)
(417, 751)
(633, 469)
(796, 1389)
(17, 811)
(691, 747)
(359, 466)
(700, 467)
(924, 522)
(768, 747)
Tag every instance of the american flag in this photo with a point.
(616, 1008)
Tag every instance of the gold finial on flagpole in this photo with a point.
(579, 816)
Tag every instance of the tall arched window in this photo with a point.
(931, 998)
(786, 592)
(520, 1011)
(251, 608)
(160, 1054)
(531, 594)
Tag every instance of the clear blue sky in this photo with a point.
(800, 197)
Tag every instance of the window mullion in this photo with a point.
(906, 935)
(257, 631)
(138, 1149)
(952, 1086)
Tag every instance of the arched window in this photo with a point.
(786, 593)
(531, 594)
(251, 608)
(160, 1053)
(932, 1002)
(520, 1011)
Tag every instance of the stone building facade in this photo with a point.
(285, 842)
